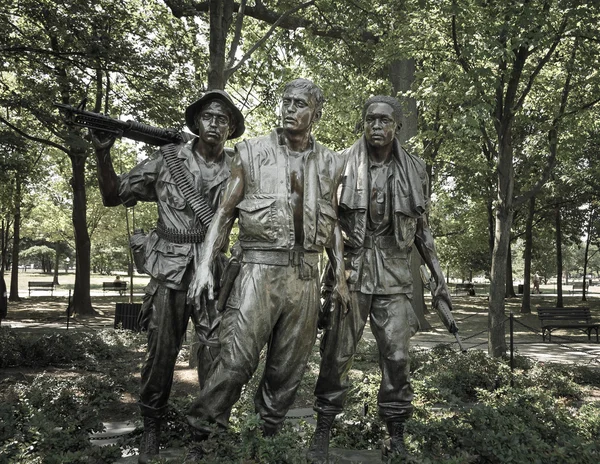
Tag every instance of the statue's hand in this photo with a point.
(341, 294)
(102, 141)
(203, 281)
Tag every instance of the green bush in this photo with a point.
(466, 410)
(507, 426)
(447, 376)
(50, 421)
(82, 349)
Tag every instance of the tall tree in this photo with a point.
(65, 52)
(504, 61)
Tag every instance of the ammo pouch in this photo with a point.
(137, 242)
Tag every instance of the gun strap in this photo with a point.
(185, 184)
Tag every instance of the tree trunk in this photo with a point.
(510, 288)
(82, 303)
(56, 262)
(14, 274)
(504, 219)
(220, 17)
(4, 243)
(559, 261)
(496, 335)
(587, 253)
(489, 206)
(526, 303)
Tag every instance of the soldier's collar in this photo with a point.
(278, 135)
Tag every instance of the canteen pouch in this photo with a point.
(137, 243)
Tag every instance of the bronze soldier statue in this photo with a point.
(382, 213)
(187, 182)
(283, 191)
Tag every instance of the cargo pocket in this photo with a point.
(257, 220)
(147, 309)
(326, 219)
(165, 261)
(397, 266)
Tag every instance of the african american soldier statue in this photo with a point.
(382, 213)
(184, 180)
(282, 190)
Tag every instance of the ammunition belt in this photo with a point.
(185, 184)
(180, 236)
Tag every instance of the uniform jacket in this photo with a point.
(151, 180)
(265, 214)
(381, 265)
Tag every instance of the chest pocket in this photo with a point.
(257, 220)
(169, 193)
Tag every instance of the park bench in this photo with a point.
(567, 318)
(578, 287)
(32, 285)
(120, 287)
(467, 287)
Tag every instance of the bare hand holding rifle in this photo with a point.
(440, 305)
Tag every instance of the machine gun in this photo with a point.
(441, 308)
(78, 116)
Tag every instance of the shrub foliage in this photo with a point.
(469, 408)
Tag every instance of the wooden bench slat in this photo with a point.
(465, 287)
(40, 285)
(566, 318)
(119, 287)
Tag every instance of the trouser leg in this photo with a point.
(290, 345)
(245, 329)
(206, 323)
(166, 330)
(393, 323)
(338, 347)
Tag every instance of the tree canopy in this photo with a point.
(500, 100)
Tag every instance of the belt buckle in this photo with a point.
(368, 243)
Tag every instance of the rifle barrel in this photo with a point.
(130, 129)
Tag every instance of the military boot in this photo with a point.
(269, 430)
(394, 446)
(150, 440)
(318, 450)
(195, 453)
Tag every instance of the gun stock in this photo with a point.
(78, 116)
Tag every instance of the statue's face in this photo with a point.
(214, 123)
(298, 110)
(379, 124)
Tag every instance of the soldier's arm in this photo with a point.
(426, 248)
(218, 232)
(336, 257)
(108, 181)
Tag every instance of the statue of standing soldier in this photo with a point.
(172, 250)
(382, 213)
(283, 191)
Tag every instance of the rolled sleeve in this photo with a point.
(139, 183)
